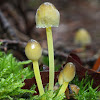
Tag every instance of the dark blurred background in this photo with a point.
(17, 24)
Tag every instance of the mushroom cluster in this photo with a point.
(65, 76)
(48, 16)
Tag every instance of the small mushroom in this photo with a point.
(60, 79)
(69, 72)
(33, 52)
(82, 38)
(48, 16)
(75, 90)
(65, 76)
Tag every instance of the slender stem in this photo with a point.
(51, 57)
(63, 88)
(38, 77)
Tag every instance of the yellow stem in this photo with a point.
(51, 57)
(63, 88)
(38, 77)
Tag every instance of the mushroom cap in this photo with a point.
(82, 37)
(74, 88)
(60, 78)
(47, 16)
(33, 50)
(69, 72)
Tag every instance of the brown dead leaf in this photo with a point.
(44, 77)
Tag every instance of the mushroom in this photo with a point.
(75, 90)
(48, 16)
(65, 76)
(82, 38)
(33, 52)
(60, 78)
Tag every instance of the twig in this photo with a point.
(6, 42)
(57, 54)
(13, 42)
(7, 27)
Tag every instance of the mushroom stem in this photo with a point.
(38, 77)
(51, 57)
(63, 88)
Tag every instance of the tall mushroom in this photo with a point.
(48, 16)
(33, 52)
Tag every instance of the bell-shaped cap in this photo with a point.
(69, 72)
(82, 37)
(47, 16)
(33, 50)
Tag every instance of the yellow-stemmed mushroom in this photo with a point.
(65, 76)
(33, 52)
(48, 16)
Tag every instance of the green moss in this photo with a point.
(48, 96)
(12, 76)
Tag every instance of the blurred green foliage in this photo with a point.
(45, 61)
